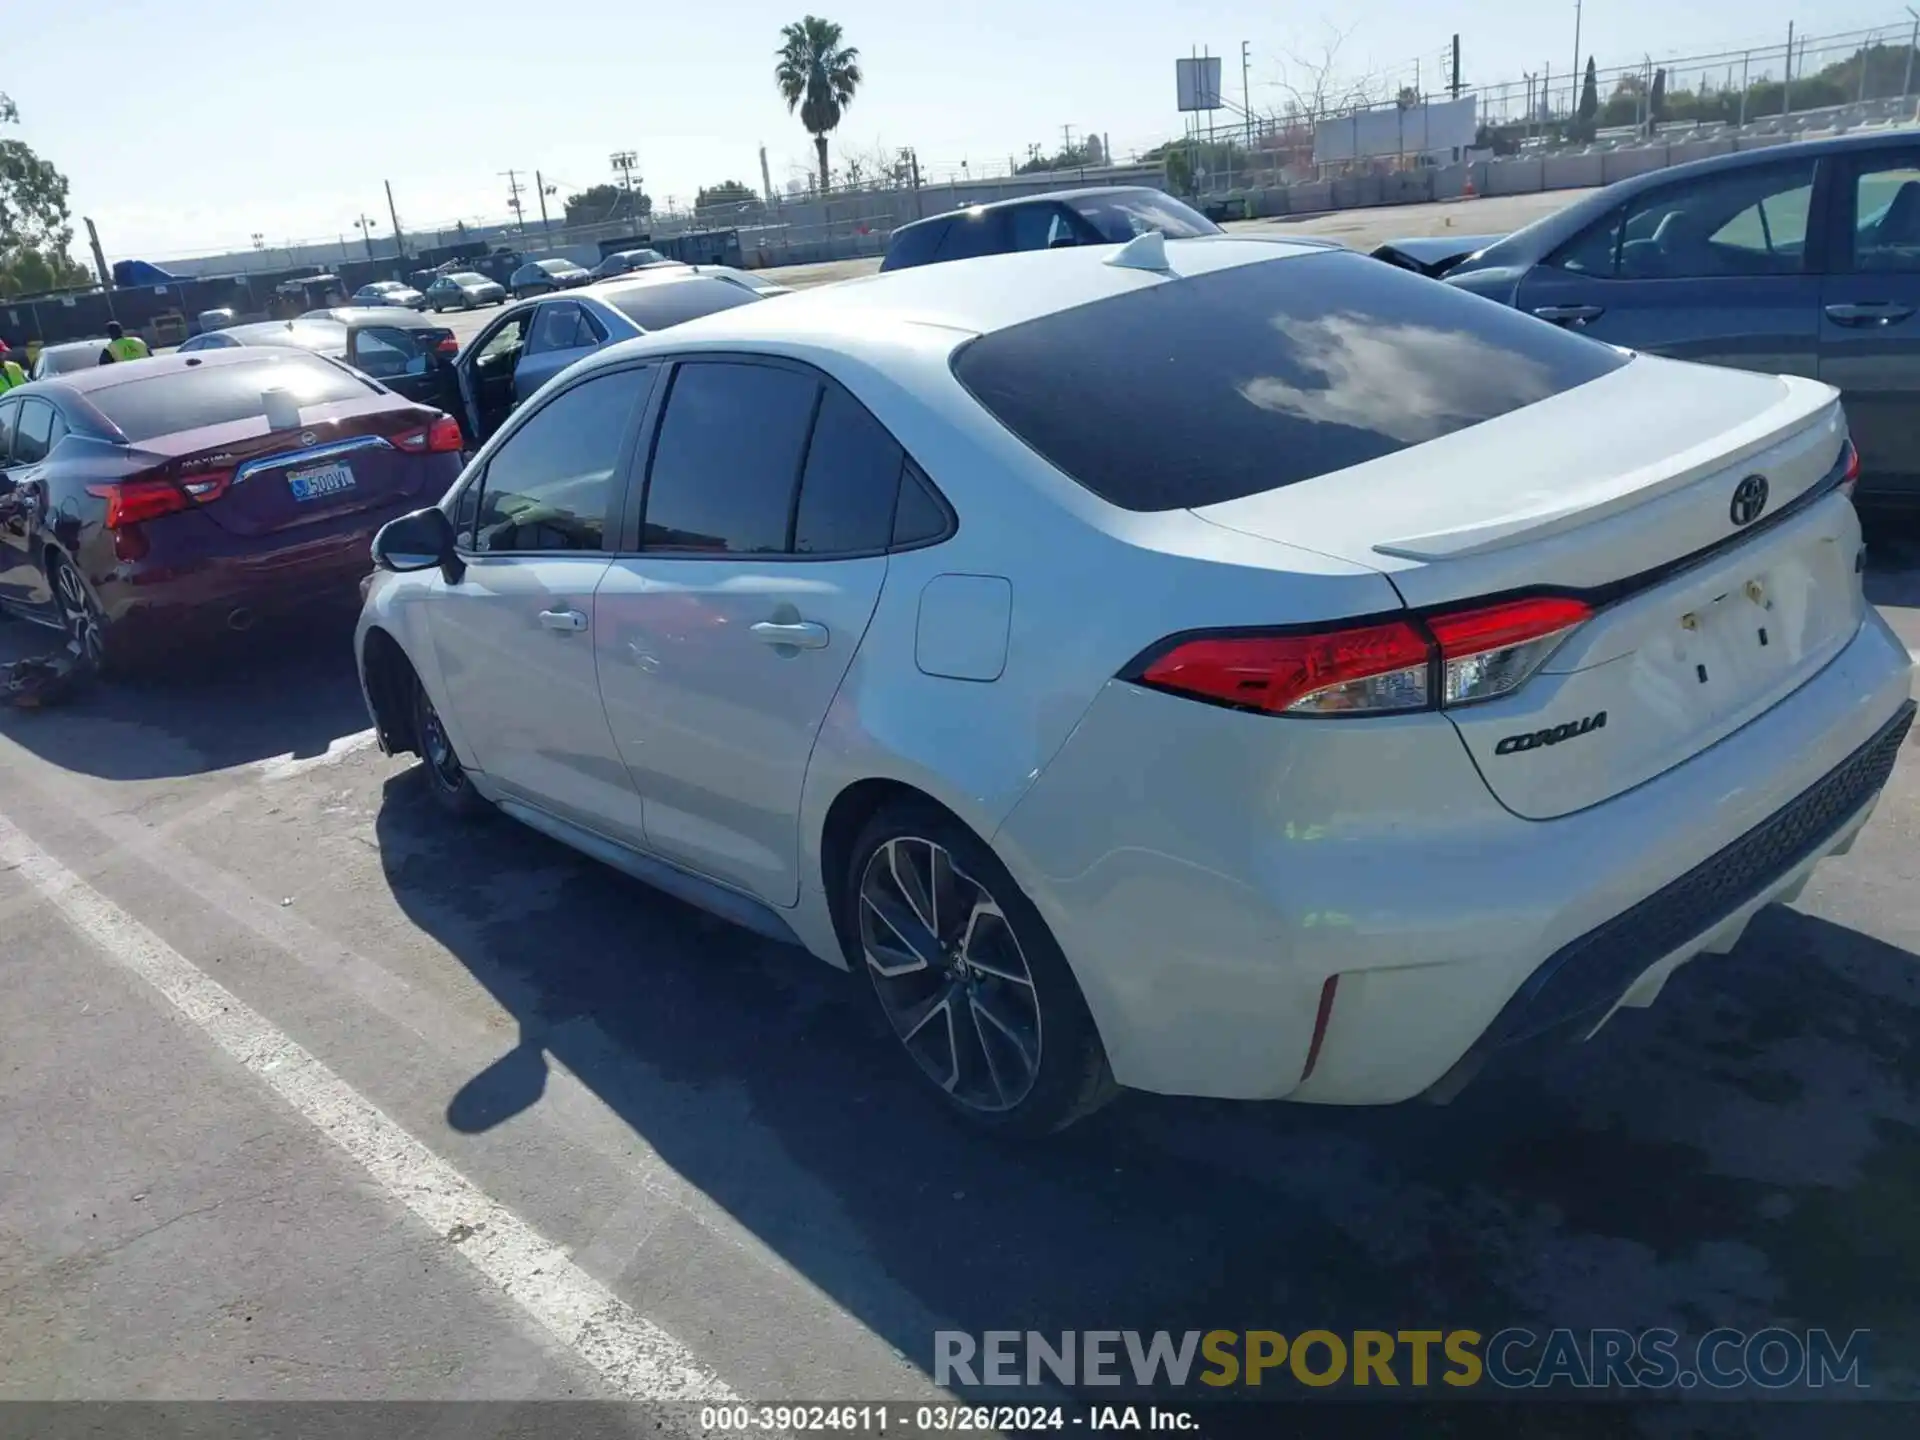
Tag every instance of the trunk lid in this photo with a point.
(340, 460)
(1622, 490)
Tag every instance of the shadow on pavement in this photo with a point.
(1745, 1153)
(257, 697)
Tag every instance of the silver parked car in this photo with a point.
(1222, 666)
(389, 292)
(463, 290)
(543, 277)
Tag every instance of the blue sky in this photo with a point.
(190, 125)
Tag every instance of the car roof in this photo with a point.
(72, 345)
(962, 297)
(1079, 192)
(379, 315)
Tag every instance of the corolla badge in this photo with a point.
(1749, 499)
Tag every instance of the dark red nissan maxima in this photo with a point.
(156, 504)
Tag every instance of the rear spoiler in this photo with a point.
(1434, 255)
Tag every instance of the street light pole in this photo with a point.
(1907, 84)
(1574, 106)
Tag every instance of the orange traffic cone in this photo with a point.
(1468, 192)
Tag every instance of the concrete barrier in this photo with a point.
(1620, 164)
(1407, 187)
(1572, 172)
(1273, 200)
(1514, 177)
(1450, 182)
(1698, 150)
(1763, 142)
(1307, 199)
(1351, 192)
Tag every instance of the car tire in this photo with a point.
(81, 619)
(993, 1022)
(447, 780)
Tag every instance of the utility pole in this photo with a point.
(1913, 44)
(766, 179)
(1246, 99)
(399, 240)
(1786, 86)
(1866, 52)
(365, 227)
(514, 187)
(1573, 108)
(623, 162)
(540, 188)
(1456, 86)
(1746, 63)
(99, 255)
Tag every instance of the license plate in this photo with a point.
(321, 481)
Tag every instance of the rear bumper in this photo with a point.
(1206, 872)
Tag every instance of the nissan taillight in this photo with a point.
(1453, 658)
(1849, 467)
(442, 437)
(131, 501)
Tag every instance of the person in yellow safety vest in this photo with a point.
(122, 346)
(10, 372)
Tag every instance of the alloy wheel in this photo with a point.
(950, 974)
(437, 750)
(78, 617)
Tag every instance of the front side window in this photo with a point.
(9, 420)
(1748, 221)
(387, 352)
(1242, 380)
(507, 340)
(549, 484)
(1886, 217)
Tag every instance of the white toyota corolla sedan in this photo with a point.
(1220, 667)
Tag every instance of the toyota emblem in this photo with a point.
(307, 437)
(1749, 499)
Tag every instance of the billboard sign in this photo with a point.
(1198, 82)
(1414, 130)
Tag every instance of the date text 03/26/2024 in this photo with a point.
(940, 1419)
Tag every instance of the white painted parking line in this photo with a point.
(285, 767)
(635, 1357)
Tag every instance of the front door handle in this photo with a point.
(568, 620)
(1869, 313)
(801, 634)
(1575, 315)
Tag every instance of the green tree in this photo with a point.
(817, 76)
(34, 232)
(600, 204)
(728, 195)
(1589, 102)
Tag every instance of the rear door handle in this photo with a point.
(801, 634)
(563, 620)
(1869, 312)
(1570, 314)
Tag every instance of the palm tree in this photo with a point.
(817, 75)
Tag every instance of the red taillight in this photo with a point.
(1368, 668)
(131, 501)
(448, 346)
(442, 437)
(1378, 669)
(1849, 467)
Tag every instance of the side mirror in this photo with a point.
(420, 541)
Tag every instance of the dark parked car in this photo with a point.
(543, 277)
(623, 262)
(156, 505)
(1800, 258)
(534, 340)
(1101, 215)
(410, 354)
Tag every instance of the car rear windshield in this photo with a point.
(220, 394)
(1126, 213)
(1226, 384)
(655, 307)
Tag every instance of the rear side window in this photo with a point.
(852, 476)
(657, 307)
(974, 232)
(1208, 388)
(34, 435)
(220, 394)
(1127, 213)
(727, 458)
(914, 245)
